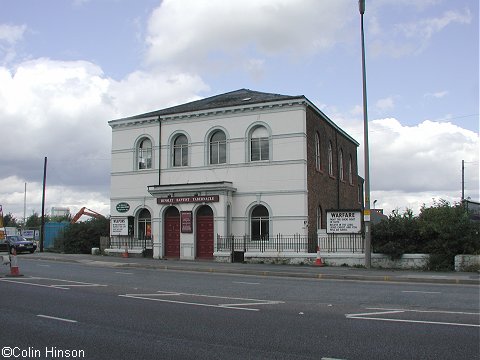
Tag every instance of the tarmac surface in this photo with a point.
(297, 271)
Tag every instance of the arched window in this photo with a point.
(350, 171)
(218, 148)
(318, 162)
(330, 159)
(340, 165)
(180, 151)
(260, 223)
(144, 154)
(259, 144)
(144, 225)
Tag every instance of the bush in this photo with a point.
(442, 230)
(79, 238)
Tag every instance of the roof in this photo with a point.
(241, 97)
(233, 98)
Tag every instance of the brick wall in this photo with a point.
(326, 190)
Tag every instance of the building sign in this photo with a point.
(28, 234)
(344, 221)
(119, 226)
(188, 199)
(186, 221)
(123, 207)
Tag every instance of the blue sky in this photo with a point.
(69, 66)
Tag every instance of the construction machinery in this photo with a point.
(85, 211)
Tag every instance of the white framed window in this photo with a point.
(260, 223)
(259, 144)
(330, 159)
(341, 173)
(218, 148)
(350, 170)
(318, 163)
(144, 225)
(180, 151)
(144, 154)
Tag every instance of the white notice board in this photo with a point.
(119, 226)
(344, 221)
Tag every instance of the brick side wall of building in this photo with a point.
(325, 190)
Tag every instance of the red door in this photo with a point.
(172, 233)
(204, 234)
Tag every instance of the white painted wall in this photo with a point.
(279, 183)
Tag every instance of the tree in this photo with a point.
(396, 235)
(81, 237)
(33, 221)
(10, 221)
(441, 230)
(449, 231)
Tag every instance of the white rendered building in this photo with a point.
(245, 164)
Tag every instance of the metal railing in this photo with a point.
(119, 242)
(345, 243)
(351, 243)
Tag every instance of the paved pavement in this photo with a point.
(298, 271)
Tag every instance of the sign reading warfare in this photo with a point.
(344, 221)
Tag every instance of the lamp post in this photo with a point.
(366, 211)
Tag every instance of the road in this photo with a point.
(101, 312)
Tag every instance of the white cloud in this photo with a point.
(411, 165)
(436, 95)
(426, 28)
(236, 28)
(405, 38)
(385, 104)
(61, 109)
(11, 33)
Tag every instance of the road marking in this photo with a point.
(133, 296)
(123, 273)
(421, 292)
(56, 318)
(246, 283)
(366, 316)
(63, 284)
(33, 284)
(376, 313)
(237, 305)
(413, 321)
(429, 311)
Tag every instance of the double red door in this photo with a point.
(172, 233)
(205, 237)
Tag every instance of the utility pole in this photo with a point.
(42, 230)
(366, 211)
(463, 180)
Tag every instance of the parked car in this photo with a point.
(21, 244)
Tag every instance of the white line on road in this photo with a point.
(185, 302)
(123, 273)
(421, 292)
(412, 321)
(429, 311)
(33, 284)
(376, 313)
(365, 316)
(246, 283)
(56, 318)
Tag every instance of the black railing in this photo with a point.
(120, 242)
(297, 243)
(333, 243)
